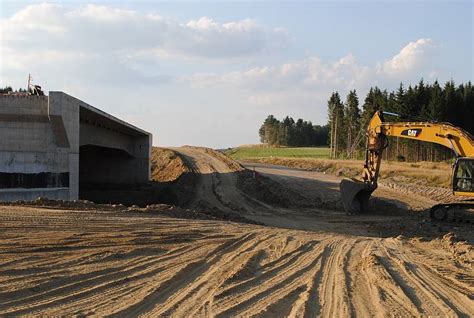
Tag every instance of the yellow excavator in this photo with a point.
(356, 194)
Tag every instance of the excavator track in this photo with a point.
(457, 212)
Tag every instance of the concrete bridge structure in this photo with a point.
(51, 146)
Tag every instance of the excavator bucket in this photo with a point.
(355, 195)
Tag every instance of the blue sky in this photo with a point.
(209, 73)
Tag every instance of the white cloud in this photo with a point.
(313, 73)
(103, 14)
(309, 73)
(408, 59)
(203, 23)
(119, 32)
(300, 87)
(25, 60)
(32, 20)
(311, 80)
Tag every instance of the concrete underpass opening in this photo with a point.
(113, 157)
(106, 175)
(101, 166)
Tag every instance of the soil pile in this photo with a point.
(194, 156)
(166, 165)
(224, 187)
(268, 191)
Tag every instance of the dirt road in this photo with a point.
(55, 262)
(313, 184)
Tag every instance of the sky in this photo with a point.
(209, 73)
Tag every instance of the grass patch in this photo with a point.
(242, 153)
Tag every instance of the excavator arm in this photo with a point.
(356, 194)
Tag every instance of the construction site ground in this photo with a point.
(262, 241)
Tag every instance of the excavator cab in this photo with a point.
(463, 177)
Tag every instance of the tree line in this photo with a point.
(9, 90)
(423, 102)
(288, 132)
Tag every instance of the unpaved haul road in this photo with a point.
(313, 184)
(55, 262)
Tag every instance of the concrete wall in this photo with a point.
(28, 150)
(24, 105)
(8, 195)
(40, 148)
(67, 107)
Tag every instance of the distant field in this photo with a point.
(242, 153)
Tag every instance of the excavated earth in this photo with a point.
(302, 257)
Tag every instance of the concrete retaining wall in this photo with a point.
(24, 105)
(28, 150)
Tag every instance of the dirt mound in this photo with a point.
(231, 163)
(257, 186)
(166, 165)
(212, 188)
(266, 190)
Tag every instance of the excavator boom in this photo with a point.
(356, 193)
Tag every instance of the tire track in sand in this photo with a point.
(129, 264)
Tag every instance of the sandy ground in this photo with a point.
(308, 261)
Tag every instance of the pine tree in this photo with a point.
(436, 110)
(422, 98)
(392, 105)
(412, 109)
(351, 120)
(336, 122)
(374, 101)
(368, 108)
(468, 107)
(451, 103)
